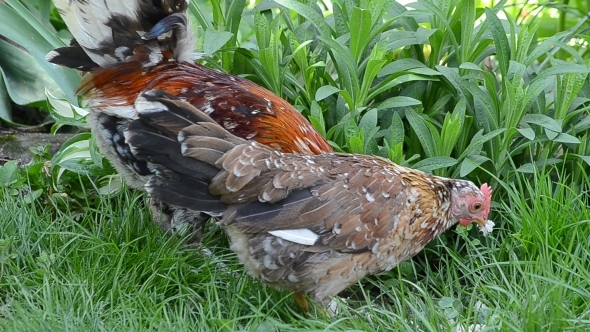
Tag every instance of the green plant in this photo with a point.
(28, 34)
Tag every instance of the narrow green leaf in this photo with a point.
(32, 22)
(356, 145)
(234, 15)
(434, 163)
(401, 39)
(373, 67)
(215, 40)
(470, 163)
(561, 68)
(467, 25)
(262, 30)
(478, 142)
(396, 136)
(17, 29)
(309, 13)
(373, 92)
(340, 21)
(500, 40)
(346, 68)
(360, 28)
(378, 8)
(199, 15)
(584, 158)
(9, 173)
(527, 133)
(5, 106)
(584, 124)
(470, 66)
(566, 138)
(368, 124)
(442, 20)
(543, 121)
(398, 101)
(317, 118)
(422, 131)
(400, 66)
(452, 126)
(434, 132)
(525, 39)
(325, 91)
(542, 48)
(567, 89)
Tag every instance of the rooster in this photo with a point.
(131, 46)
(311, 224)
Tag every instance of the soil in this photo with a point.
(16, 145)
(15, 142)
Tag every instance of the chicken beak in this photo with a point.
(480, 221)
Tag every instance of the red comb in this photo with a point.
(487, 193)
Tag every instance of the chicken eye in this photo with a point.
(476, 207)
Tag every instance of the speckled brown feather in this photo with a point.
(367, 214)
(350, 209)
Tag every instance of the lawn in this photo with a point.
(109, 268)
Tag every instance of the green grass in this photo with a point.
(111, 269)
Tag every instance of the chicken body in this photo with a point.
(131, 46)
(307, 223)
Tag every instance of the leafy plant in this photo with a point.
(28, 34)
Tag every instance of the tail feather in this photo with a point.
(184, 191)
(164, 133)
(169, 114)
(110, 32)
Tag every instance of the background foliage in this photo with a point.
(495, 92)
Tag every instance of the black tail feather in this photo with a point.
(182, 145)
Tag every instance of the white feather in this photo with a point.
(302, 236)
(145, 106)
(127, 112)
(86, 21)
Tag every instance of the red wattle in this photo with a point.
(464, 222)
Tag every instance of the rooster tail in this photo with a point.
(182, 145)
(110, 32)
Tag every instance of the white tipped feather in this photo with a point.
(145, 106)
(302, 236)
(123, 111)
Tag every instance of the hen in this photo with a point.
(131, 46)
(310, 224)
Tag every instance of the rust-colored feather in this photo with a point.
(240, 106)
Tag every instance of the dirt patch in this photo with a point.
(15, 145)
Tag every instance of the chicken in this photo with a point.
(131, 46)
(305, 223)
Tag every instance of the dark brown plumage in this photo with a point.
(132, 46)
(305, 223)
